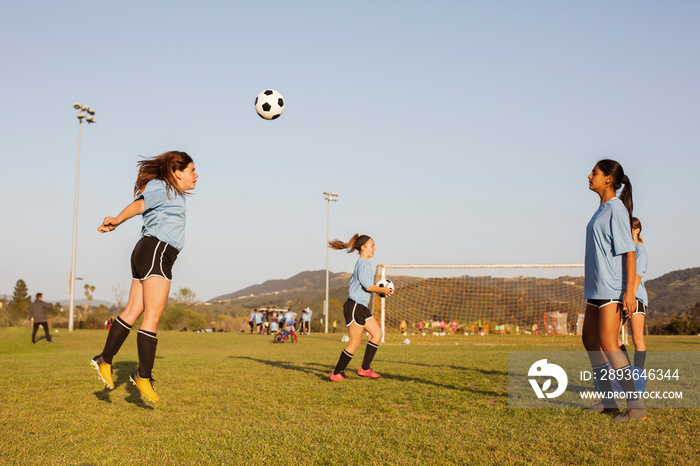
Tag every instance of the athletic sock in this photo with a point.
(624, 350)
(600, 373)
(627, 384)
(640, 357)
(146, 344)
(115, 338)
(370, 351)
(343, 362)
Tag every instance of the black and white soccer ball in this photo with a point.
(269, 104)
(385, 283)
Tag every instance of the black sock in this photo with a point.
(640, 357)
(146, 344)
(115, 338)
(370, 351)
(627, 383)
(602, 375)
(343, 362)
(624, 350)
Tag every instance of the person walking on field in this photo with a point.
(37, 312)
(357, 316)
(161, 186)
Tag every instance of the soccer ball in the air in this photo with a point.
(269, 104)
(385, 283)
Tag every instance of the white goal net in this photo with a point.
(461, 303)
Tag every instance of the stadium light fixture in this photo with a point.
(71, 282)
(330, 197)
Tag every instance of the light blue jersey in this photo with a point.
(163, 217)
(642, 263)
(608, 237)
(362, 278)
(306, 316)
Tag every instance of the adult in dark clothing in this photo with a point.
(37, 311)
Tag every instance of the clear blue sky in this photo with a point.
(455, 132)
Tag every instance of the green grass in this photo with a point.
(239, 399)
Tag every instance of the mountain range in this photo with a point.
(308, 283)
(672, 293)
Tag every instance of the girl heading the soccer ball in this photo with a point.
(358, 317)
(609, 286)
(161, 186)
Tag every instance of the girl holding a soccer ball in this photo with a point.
(358, 317)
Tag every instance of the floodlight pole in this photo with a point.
(330, 197)
(90, 119)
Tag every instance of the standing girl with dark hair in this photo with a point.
(358, 317)
(161, 186)
(640, 293)
(610, 266)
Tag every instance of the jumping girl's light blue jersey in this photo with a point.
(608, 237)
(259, 317)
(163, 217)
(642, 263)
(362, 278)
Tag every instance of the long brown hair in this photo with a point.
(354, 244)
(162, 167)
(637, 225)
(614, 169)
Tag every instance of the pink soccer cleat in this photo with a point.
(338, 377)
(368, 373)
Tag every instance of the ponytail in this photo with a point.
(614, 169)
(626, 196)
(354, 244)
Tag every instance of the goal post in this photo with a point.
(459, 303)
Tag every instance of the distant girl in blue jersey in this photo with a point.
(358, 317)
(161, 186)
(640, 312)
(610, 266)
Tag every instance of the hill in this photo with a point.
(673, 293)
(308, 283)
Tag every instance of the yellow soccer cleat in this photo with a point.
(104, 370)
(145, 386)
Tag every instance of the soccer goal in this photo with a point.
(463, 303)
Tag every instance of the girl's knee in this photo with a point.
(590, 341)
(609, 344)
(351, 348)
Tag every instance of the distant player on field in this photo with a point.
(161, 186)
(610, 266)
(640, 312)
(357, 316)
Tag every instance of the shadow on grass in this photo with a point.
(457, 368)
(43, 337)
(322, 372)
(120, 376)
(306, 368)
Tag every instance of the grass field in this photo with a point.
(240, 399)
